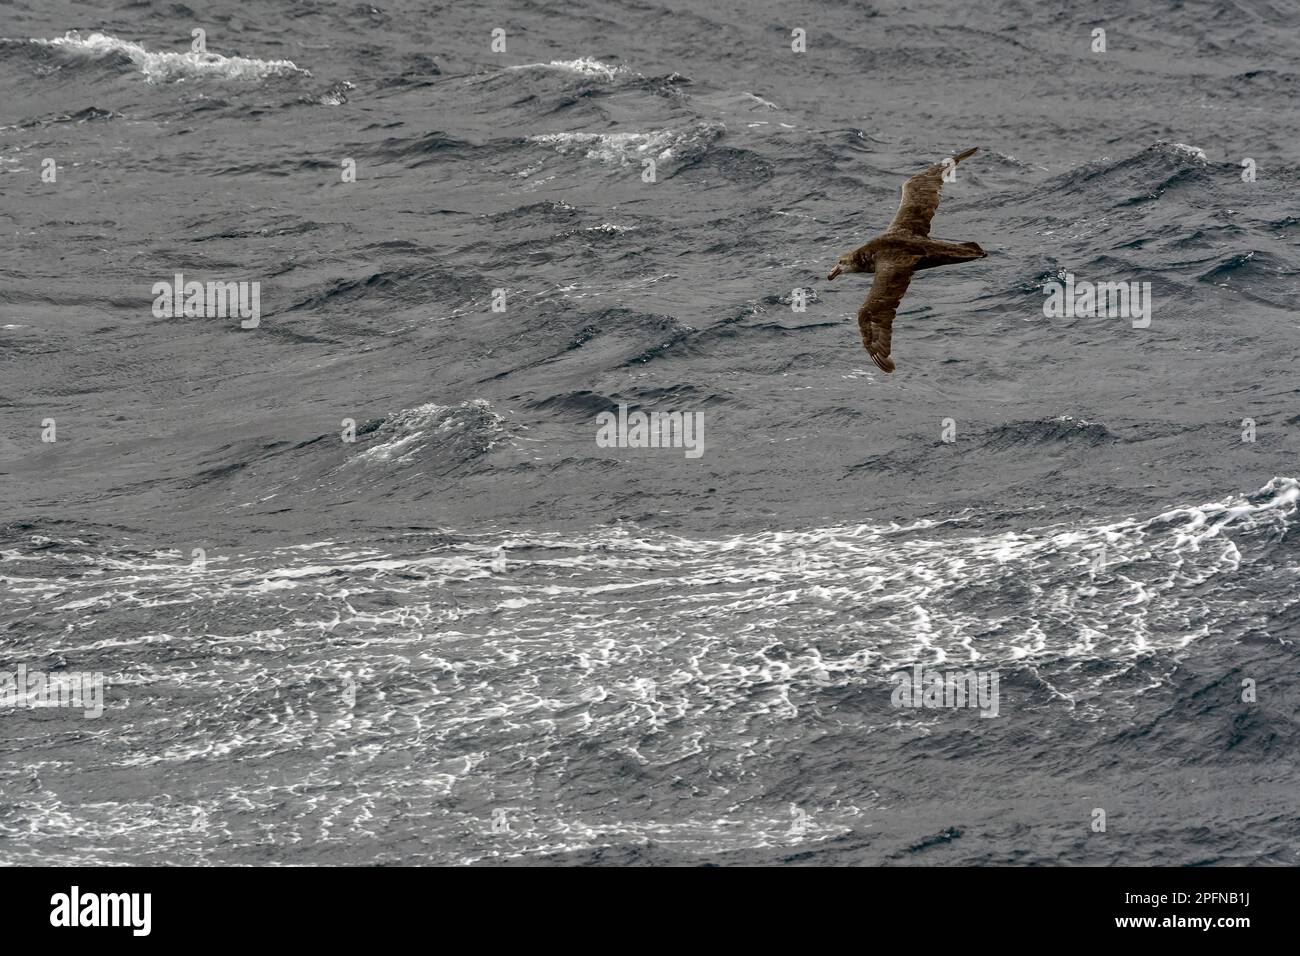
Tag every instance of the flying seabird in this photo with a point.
(898, 252)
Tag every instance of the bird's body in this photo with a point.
(899, 251)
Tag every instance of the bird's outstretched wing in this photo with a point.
(921, 197)
(876, 317)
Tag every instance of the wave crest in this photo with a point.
(462, 432)
(623, 149)
(583, 66)
(162, 66)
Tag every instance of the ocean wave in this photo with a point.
(335, 95)
(583, 66)
(871, 597)
(458, 432)
(492, 652)
(1060, 429)
(161, 66)
(1144, 176)
(623, 149)
(1179, 150)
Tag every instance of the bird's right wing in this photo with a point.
(921, 197)
(876, 317)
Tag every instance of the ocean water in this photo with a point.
(363, 585)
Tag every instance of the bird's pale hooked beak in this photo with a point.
(834, 272)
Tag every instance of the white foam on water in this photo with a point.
(1181, 149)
(623, 149)
(399, 437)
(1194, 151)
(654, 647)
(583, 66)
(158, 66)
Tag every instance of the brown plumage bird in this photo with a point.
(898, 252)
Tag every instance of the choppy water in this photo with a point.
(317, 650)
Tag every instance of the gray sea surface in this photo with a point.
(476, 634)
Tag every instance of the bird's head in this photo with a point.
(851, 262)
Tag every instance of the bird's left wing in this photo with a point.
(876, 317)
